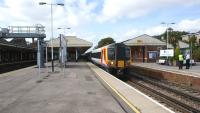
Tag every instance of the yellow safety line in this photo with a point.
(134, 108)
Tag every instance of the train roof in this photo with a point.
(108, 46)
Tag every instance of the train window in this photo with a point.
(127, 53)
(111, 54)
(96, 55)
(99, 55)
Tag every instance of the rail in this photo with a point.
(175, 103)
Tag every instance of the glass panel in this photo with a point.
(111, 54)
(127, 53)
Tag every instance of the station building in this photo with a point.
(75, 47)
(145, 48)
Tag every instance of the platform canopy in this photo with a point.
(72, 41)
(144, 40)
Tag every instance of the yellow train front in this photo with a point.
(115, 58)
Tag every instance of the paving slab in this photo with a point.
(73, 90)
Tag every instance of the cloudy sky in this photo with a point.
(96, 19)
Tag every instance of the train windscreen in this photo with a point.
(111, 54)
(120, 53)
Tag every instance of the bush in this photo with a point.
(196, 54)
(177, 52)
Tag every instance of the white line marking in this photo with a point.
(151, 99)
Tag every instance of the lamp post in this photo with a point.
(51, 4)
(190, 40)
(167, 24)
(64, 28)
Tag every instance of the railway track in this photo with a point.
(6, 67)
(163, 97)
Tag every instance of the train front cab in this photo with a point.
(118, 59)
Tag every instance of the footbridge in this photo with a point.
(36, 31)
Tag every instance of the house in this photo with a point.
(186, 37)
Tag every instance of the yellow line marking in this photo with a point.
(134, 108)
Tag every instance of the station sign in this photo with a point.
(167, 53)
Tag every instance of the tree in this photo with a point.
(177, 34)
(105, 41)
(192, 42)
(173, 39)
(196, 54)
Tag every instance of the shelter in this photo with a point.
(144, 48)
(75, 46)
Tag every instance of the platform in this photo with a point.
(187, 77)
(193, 71)
(76, 91)
(132, 100)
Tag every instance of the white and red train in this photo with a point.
(115, 58)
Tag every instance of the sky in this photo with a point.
(93, 20)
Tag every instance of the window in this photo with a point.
(152, 54)
(96, 55)
(127, 53)
(111, 53)
(199, 41)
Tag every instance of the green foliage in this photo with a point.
(192, 42)
(177, 52)
(105, 41)
(177, 34)
(193, 39)
(173, 39)
(196, 54)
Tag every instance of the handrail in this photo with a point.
(39, 29)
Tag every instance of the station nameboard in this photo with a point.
(169, 52)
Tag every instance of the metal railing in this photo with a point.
(39, 29)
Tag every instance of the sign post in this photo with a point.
(167, 53)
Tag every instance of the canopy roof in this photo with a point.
(144, 40)
(71, 41)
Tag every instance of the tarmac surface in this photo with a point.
(73, 90)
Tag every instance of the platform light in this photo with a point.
(167, 30)
(42, 3)
(60, 4)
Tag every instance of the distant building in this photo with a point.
(186, 37)
(184, 47)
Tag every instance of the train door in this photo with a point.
(120, 56)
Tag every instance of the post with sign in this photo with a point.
(167, 53)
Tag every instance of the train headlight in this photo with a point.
(112, 63)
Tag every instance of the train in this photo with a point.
(114, 58)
